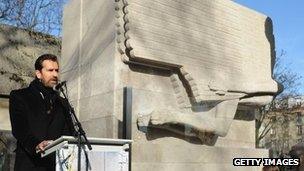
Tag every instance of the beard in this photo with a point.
(50, 83)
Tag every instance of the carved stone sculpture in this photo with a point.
(216, 64)
(192, 64)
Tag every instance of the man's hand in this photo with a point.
(41, 146)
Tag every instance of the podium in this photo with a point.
(106, 154)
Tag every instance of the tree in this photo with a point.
(279, 105)
(35, 15)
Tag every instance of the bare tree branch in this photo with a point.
(36, 15)
(279, 106)
(266, 130)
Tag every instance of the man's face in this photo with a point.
(49, 73)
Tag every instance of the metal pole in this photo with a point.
(127, 118)
(79, 153)
(5, 96)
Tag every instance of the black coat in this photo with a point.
(37, 113)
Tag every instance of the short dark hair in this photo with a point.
(40, 59)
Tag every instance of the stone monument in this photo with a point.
(197, 70)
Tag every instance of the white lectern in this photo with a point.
(106, 155)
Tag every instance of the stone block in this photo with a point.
(99, 127)
(71, 36)
(192, 167)
(240, 134)
(183, 153)
(73, 82)
(97, 106)
(147, 79)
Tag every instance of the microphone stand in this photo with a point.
(81, 135)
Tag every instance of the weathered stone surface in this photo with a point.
(4, 115)
(241, 135)
(183, 157)
(209, 47)
(19, 49)
(192, 167)
(216, 38)
(180, 58)
(180, 152)
(93, 126)
(96, 106)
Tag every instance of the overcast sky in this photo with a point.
(288, 21)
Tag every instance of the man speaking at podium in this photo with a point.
(38, 115)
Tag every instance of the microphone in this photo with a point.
(59, 86)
